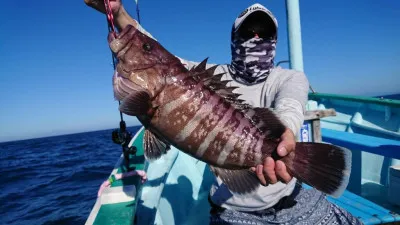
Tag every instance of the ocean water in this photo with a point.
(54, 180)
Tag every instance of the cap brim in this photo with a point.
(247, 12)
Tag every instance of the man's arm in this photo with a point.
(121, 16)
(289, 106)
(291, 100)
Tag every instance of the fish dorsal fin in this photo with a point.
(200, 73)
(215, 83)
(200, 67)
(220, 86)
(263, 118)
(153, 146)
(214, 78)
(211, 70)
(241, 106)
(229, 96)
(266, 121)
(200, 76)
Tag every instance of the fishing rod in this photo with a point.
(137, 11)
(120, 136)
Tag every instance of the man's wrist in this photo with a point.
(119, 12)
(122, 19)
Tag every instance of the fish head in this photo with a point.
(141, 57)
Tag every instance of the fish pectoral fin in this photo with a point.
(238, 181)
(153, 146)
(136, 103)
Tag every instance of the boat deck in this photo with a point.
(117, 204)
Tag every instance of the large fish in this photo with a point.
(197, 113)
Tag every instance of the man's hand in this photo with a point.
(121, 17)
(273, 171)
(99, 5)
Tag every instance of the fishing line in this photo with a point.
(137, 11)
(120, 136)
(111, 28)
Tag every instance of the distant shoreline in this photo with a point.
(392, 96)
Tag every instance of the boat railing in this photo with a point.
(373, 100)
(371, 194)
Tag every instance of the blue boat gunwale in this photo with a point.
(380, 101)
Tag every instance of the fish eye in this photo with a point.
(146, 46)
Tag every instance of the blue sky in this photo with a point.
(56, 66)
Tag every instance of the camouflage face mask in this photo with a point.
(252, 60)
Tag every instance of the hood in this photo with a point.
(253, 43)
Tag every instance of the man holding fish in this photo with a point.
(238, 140)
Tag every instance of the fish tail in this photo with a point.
(326, 167)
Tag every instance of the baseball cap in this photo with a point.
(253, 8)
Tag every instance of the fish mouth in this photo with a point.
(144, 67)
(118, 42)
